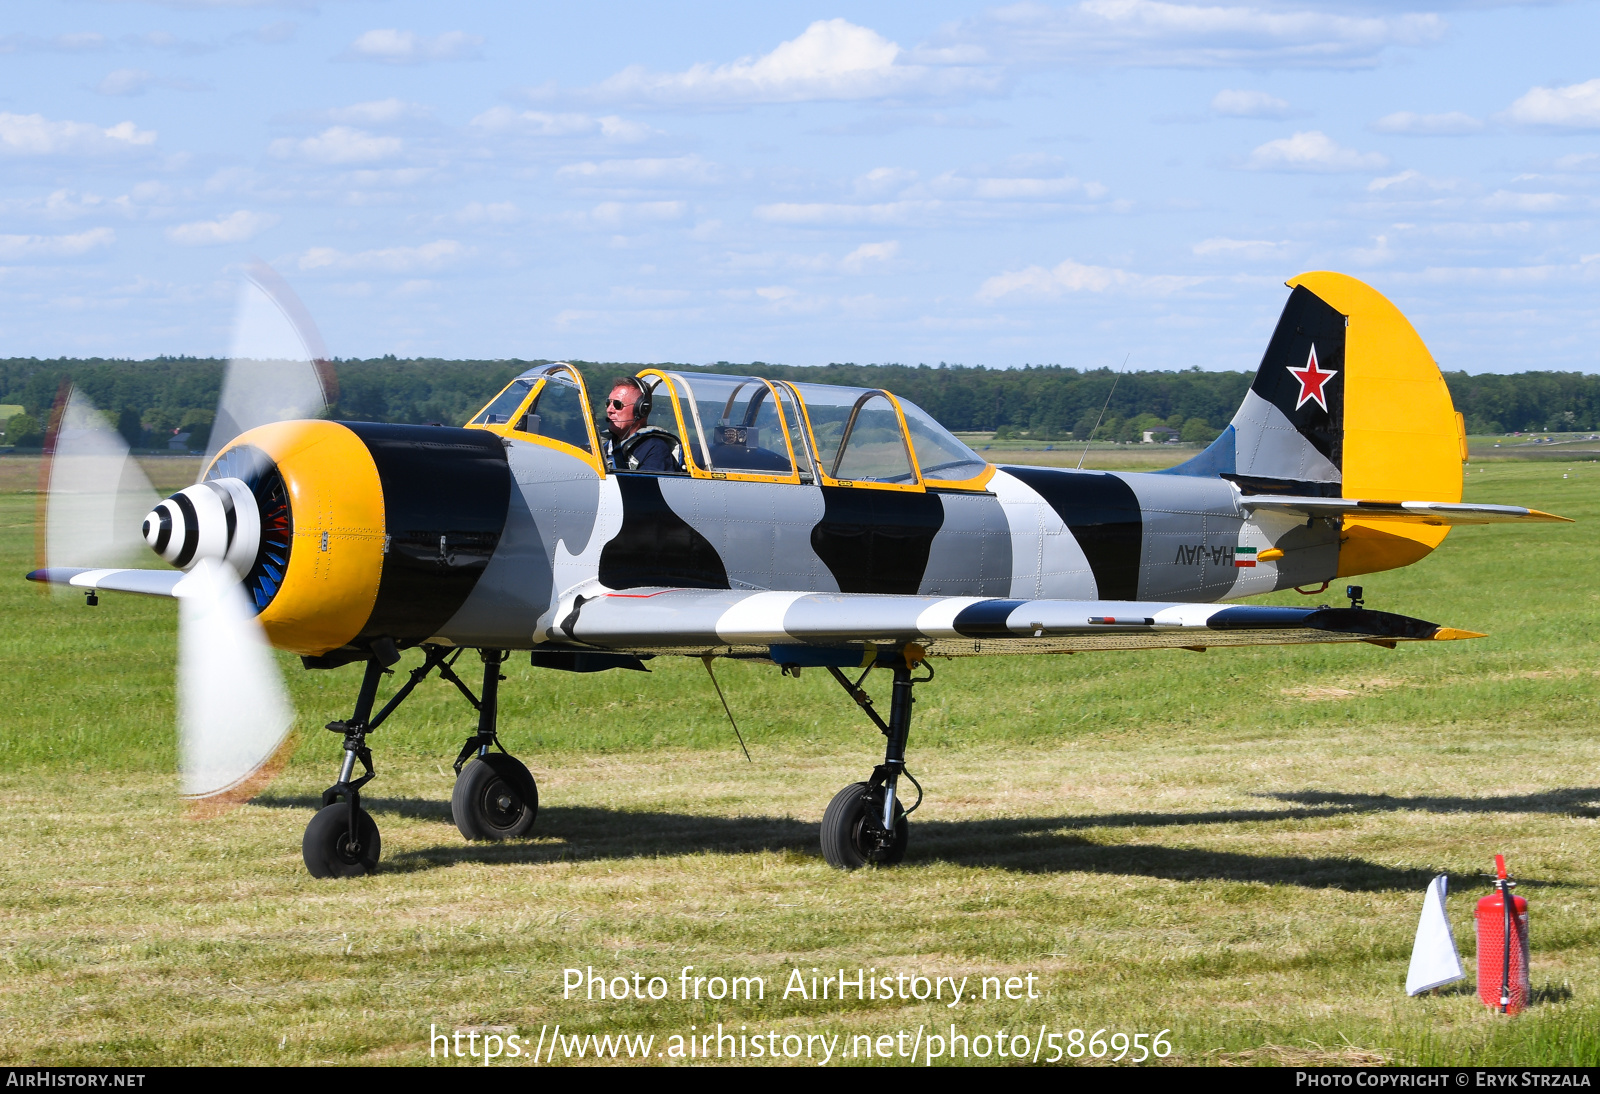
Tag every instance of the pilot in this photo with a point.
(632, 443)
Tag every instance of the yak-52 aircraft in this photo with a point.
(813, 527)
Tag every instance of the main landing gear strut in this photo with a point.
(495, 796)
(866, 822)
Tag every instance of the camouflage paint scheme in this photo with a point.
(1033, 533)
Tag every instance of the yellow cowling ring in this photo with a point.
(336, 556)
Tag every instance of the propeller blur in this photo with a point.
(233, 712)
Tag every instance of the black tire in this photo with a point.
(326, 845)
(852, 829)
(495, 798)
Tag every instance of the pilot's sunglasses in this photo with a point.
(618, 404)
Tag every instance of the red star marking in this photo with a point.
(1312, 381)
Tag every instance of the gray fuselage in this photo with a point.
(1032, 533)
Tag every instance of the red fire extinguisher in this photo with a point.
(1502, 931)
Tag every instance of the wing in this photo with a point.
(1405, 512)
(146, 582)
(800, 628)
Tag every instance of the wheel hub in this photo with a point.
(502, 807)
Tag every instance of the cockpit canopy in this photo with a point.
(748, 427)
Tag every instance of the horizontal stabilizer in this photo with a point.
(1405, 512)
(145, 582)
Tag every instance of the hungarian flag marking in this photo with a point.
(1244, 556)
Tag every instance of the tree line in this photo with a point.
(151, 401)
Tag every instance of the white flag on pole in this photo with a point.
(1434, 960)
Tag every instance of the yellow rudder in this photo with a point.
(1402, 437)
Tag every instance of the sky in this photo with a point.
(1079, 184)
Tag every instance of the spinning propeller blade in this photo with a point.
(233, 713)
(96, 495)
(278, 368)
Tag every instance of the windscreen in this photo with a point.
(558, 412)
(940, 454)
(505, 404)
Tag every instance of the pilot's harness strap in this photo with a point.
(617, 454)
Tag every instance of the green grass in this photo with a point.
(1231, 846)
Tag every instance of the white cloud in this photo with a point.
(384, 178)
(858, 260)
(36, 135)
(22, 248)
(405, 47)
(234, 228)
(1312, 151)
(71, 205)
(620, 129)
(1005, 188)
(1527, 203)
(1579, 161)
(1248, 249)
(377, 112)
(477, 212)
(440, 252)
(614, 215)
(80, 42)
(1152, 32)
(1408, 181)
(535, 123)
(1250, 104)
(884, 180)
(832, 214)
(974, 199)
(677, 169)
(831, 59)
(950, 196)
(538, 123)
(1380, 252)
(1576, 106)
(1036, 282)
(125, 81)
(1453, 124)
(338, 144)
(128, 82)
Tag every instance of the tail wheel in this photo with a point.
(495, 798)
(328, 850)
(852, 829)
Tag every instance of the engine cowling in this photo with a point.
(343, 533)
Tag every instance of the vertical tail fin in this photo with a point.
(1347, 403)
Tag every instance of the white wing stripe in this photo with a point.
(939, 621)
(757, 618)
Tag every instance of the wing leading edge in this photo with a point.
(774, 625)
(144, 582)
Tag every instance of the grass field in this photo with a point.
(1231, 847)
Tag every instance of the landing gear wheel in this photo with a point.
(852, 829)
(327, 848)
(495, 798)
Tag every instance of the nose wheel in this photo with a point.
(330, 847)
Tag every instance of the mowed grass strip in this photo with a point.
(1231, 846)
